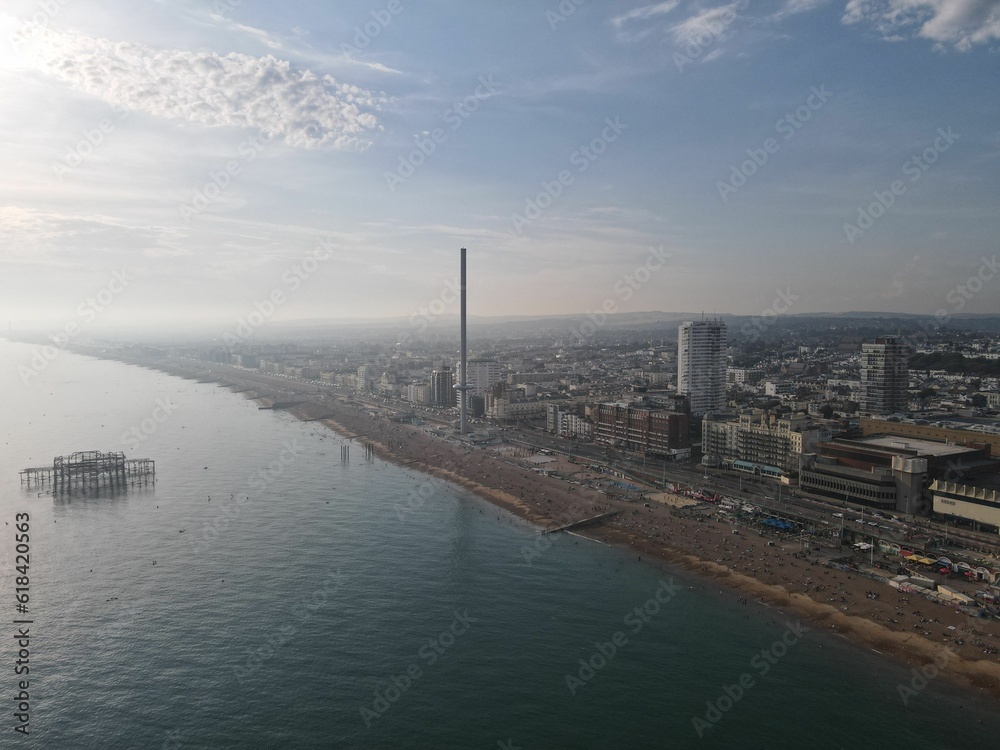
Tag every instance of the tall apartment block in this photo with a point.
(443, 387)
(701, 365)
(482, 374)
(885, 374)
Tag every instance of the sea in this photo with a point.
(271, 591)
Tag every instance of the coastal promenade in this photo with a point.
(765, 570)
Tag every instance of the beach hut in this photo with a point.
(950, 595)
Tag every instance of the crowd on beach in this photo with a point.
(770, 570)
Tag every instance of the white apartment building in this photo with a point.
(701, 365)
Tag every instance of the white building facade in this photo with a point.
(701, 365)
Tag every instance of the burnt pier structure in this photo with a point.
(89, 470)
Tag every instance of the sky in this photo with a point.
(194, 161)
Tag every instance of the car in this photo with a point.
(873, 523)
(838, 515)
(859, 520)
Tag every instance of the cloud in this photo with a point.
(707, 25)
(794, 7)
(213, 90)
(37, 238)
(645, 12)
(260, 34)
(958, 23)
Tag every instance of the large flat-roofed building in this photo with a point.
(701, 365)
(884, 375)
(961, 431)
(641, 429)
(977, 506)
(887, 471)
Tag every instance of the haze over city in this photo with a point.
(844, 152)
(522, 374)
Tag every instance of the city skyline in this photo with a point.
(194, 162)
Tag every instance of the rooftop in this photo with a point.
(917, 445)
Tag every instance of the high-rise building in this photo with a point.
(419, 393)
(701, 365)
(481, 374)
(366, 374)
(885, 374)
(443, 388)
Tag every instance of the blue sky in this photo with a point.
(207, 147)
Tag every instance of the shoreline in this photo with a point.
(523, 496)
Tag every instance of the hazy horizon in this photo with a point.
(185, 163)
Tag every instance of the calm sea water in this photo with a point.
(296, 597)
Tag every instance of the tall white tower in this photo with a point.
(701, 365)
(462, 386)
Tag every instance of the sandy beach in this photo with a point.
(906, 627)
